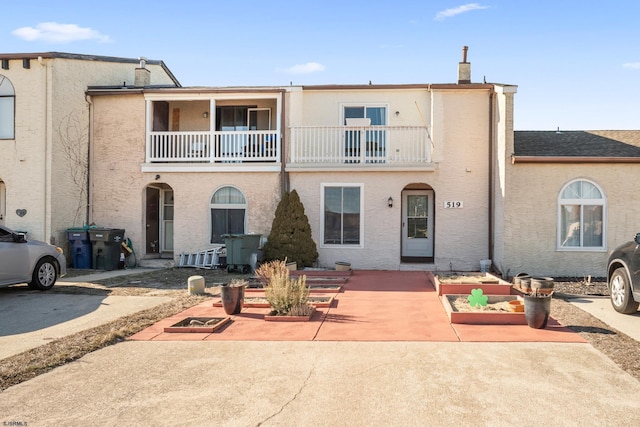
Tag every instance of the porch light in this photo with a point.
(205, 114)
(390, 201)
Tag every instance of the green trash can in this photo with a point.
(241, 248)
(106, 244)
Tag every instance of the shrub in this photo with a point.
(290, 237)
(285, 295)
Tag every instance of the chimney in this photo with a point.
(143, 76)
(464, 68)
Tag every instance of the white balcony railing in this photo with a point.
(213, 147)
(365, 145)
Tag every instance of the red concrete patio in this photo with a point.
(372, 306)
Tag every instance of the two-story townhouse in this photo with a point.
(391, 176)
(45, 130)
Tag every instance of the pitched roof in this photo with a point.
(584, 144)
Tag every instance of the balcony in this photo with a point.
(213, 147)
(373, 147)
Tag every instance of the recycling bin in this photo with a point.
(106, 244)
(241, 248)
(80, 247)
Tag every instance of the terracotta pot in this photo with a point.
(516, 305)
(542, 285)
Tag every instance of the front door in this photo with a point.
(153, 221)
(3, 202)
(417, 225)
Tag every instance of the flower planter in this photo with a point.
(464, 283)
(537, 310)
(232, 298)
(482, 316)
(201, 325)
(274, 318)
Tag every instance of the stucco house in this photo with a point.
(391, 176)
(415, 176)
(570, 200)
(45, 131)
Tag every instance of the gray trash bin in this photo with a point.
(106, 244)
(241, 249)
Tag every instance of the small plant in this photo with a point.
(237, 283)
(286, 296)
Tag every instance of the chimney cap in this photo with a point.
(143, 61)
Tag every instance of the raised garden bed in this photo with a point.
(461, 283)
(202, 325)
(261, 302)
(313, 288)
(496, 312)
(273, 318)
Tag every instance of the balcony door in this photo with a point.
(417, 225)
(365, 142)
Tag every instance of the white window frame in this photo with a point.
(8, 108)
(342, 185)
(244, 206)
(581, 202)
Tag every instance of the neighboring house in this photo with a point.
(44, 134)
(570, 200)
(391, 176)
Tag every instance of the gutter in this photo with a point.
(572, 159)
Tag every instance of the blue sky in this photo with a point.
(576, 62)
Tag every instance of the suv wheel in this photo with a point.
(621, 297)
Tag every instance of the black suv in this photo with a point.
(623, 275)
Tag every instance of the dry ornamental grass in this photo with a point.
(620, 348)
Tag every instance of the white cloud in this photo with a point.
(632, 65)
(308, 68)
(54, 32)
(448, 13)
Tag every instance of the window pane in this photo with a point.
(218, 225)
(592, 218)
(353, 113)
(228, 195)
(332, 215)
(6, 118)
(417, 228)
(351, 216)
(377, 115)
(235, 221)
(570, 225)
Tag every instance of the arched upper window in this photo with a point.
(228, 213)
(7, 108)
(581, 216)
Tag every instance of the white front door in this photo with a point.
(3, 203)
(417, 223)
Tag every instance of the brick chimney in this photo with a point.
(142, 76)
(464, 68)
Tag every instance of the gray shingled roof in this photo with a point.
(603, 143)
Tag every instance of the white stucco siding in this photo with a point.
(531, 217)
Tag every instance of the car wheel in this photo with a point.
(44, 275)
(621, 297)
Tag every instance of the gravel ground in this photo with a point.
(620, 348)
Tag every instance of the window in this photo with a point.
(581, 216)
(7, 108)
(228, 213)
(341, 215)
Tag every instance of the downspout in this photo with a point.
(491, 178)
(284, 176)
(88, 216)
(48, 152)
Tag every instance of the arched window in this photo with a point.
(7, 108)
(581, 216)
(228, 213)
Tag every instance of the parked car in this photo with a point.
(36, 263)
(623, 276)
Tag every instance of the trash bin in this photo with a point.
(240, 250)
(80, 247)
(105, 244)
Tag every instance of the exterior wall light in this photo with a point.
(390, 201)
(205, 114)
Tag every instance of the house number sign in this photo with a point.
(456, 204)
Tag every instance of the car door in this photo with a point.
(14, 260)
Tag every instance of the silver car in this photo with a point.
(36, 263)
